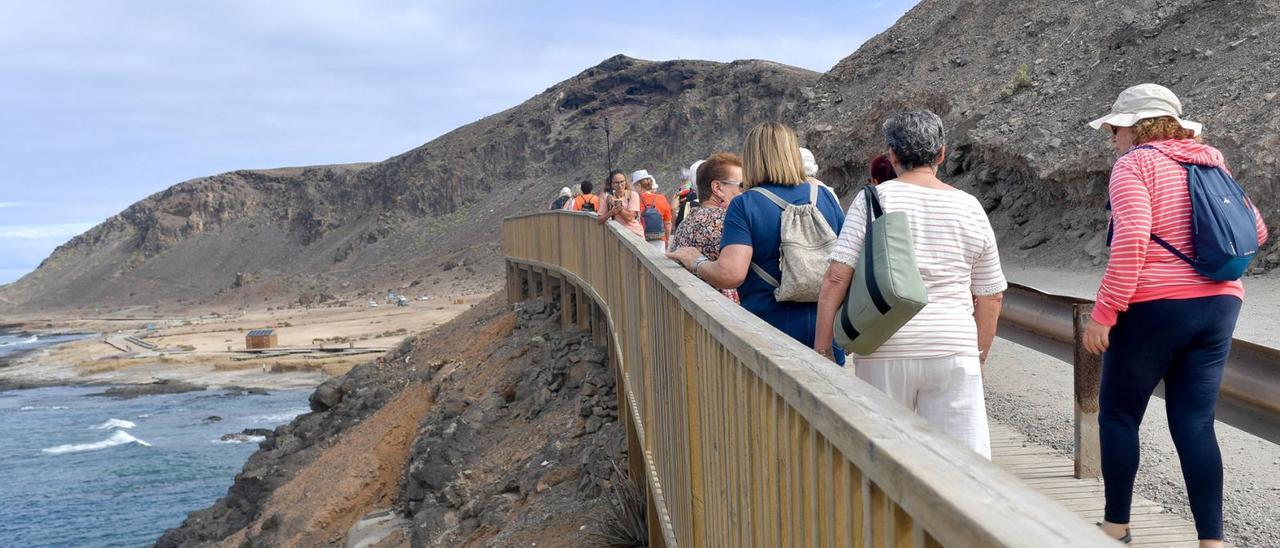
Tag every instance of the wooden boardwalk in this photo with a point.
(1053, 474)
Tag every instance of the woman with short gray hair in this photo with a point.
(933, 365)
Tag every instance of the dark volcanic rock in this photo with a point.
(162, 386)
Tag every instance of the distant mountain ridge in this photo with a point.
(246, 236)
(1015, 82)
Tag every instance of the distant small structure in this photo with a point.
(402, 301)
(260, 338)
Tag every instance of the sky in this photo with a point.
(105, 102)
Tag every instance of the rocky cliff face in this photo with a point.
(1016, 82)
(347, 229)
(497, 429)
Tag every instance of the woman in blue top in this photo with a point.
(752, 232)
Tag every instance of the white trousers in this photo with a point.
(946, 391)
(660, 245)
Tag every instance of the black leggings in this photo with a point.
(1184, 342)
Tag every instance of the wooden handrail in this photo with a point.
(748, 438)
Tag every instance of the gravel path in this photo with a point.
(1033, 393)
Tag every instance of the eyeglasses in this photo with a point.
(1114, 130)
(734, 183)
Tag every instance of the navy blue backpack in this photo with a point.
(1224, 235)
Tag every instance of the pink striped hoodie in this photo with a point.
(1149, 195)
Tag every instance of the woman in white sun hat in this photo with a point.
(1156, 317)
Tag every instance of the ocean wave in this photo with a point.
(279, 418)
(29, 340)
(118, 437)
(115, 423)
(242, 439)
(42, 408)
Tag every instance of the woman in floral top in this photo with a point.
(719, 180)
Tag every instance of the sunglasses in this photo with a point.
(734, 183)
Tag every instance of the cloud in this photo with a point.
(4, 205)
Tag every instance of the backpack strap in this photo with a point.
(771, 196)
(783, 205)
(813, 194)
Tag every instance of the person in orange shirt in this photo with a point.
(655, 210)
(586, 201)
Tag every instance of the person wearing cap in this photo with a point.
(562, 199)
(651, 199)
(622, 204)
(1156, 319)
(811, 171)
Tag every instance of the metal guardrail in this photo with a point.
(745, 437)
(1249, 398)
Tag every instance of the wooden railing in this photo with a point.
(745, 437)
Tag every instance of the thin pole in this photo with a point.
(608, 147)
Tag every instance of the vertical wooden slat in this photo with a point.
(795, 475)
(902, 527)
(856, 489)
(826, 494)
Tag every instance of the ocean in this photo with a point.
(13, 342)
(93, 471)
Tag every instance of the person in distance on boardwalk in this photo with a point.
(880, 170)
(719, 181)
(1156, 318)
(933, 364)
(655, 210)
(686, 197)
(562, 199)
(574, 192)
(622, 204)
(586, 201)
(811, 170)
(753, 232)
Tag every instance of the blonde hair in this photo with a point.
(771, 154)
(576, 190)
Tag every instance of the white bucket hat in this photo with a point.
(640, 175)
(1145, 101)
(564, 191)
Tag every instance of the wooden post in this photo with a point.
(566, 308)
(513, 283)
(529, 287)
(1088, 377)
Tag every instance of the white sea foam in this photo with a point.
(279, 418)
(243, 439)
(29, 340)
(115, 423)
(119, 437)
(42, 408)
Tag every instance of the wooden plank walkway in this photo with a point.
(1053, 474)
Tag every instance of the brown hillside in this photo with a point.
(360, 229)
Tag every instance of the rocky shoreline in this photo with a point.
(515, 443)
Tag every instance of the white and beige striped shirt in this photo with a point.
(956, 252)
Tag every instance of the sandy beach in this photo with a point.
(209, 349)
